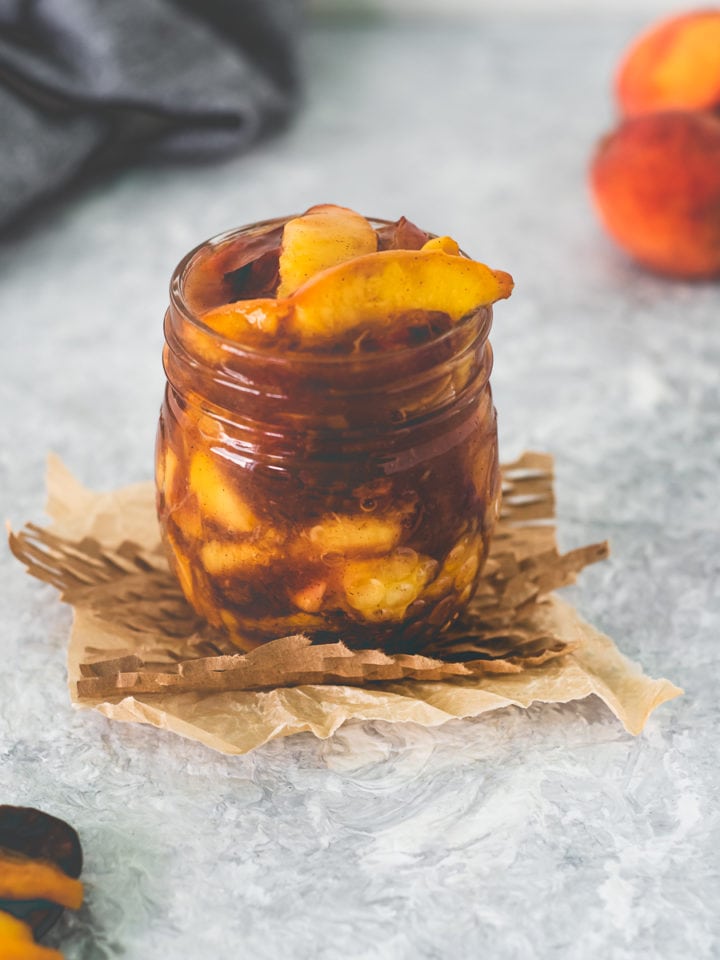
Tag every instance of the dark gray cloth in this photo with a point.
(89, 83)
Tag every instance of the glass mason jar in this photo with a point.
(342, 496)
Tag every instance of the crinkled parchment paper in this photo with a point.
(138, 653)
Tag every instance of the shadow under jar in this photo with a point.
(345, 495)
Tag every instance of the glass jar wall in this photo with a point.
(344, 495)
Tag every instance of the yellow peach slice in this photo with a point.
(17, 943)
(443, 244)
(188, 519)
(309, 598)
(222, 558)
(345, 535)
(183, 571)
(167, 463)
(180, 505)
(378, 288)
(13, 929)
(19, 950)
(216, 497)
(243, 320)
(323, 237)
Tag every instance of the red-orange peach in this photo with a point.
(656, 184)
(674, 65)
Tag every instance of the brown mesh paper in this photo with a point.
(139, 653)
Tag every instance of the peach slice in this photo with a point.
(13, 929)
(674, 65)
(19, 950)
(217, 499)
(167, 471)
(193, 582)
(245, 319)
(378, 288)
(183, 570)
(17, 942)
(353, 535)
(443, 244)
(323, 237)
(233, 558)
(309, 598)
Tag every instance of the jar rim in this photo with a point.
(299, 357)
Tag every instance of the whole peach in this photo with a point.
(656, 184)
(675, 65)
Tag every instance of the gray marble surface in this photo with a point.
(546, 833)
